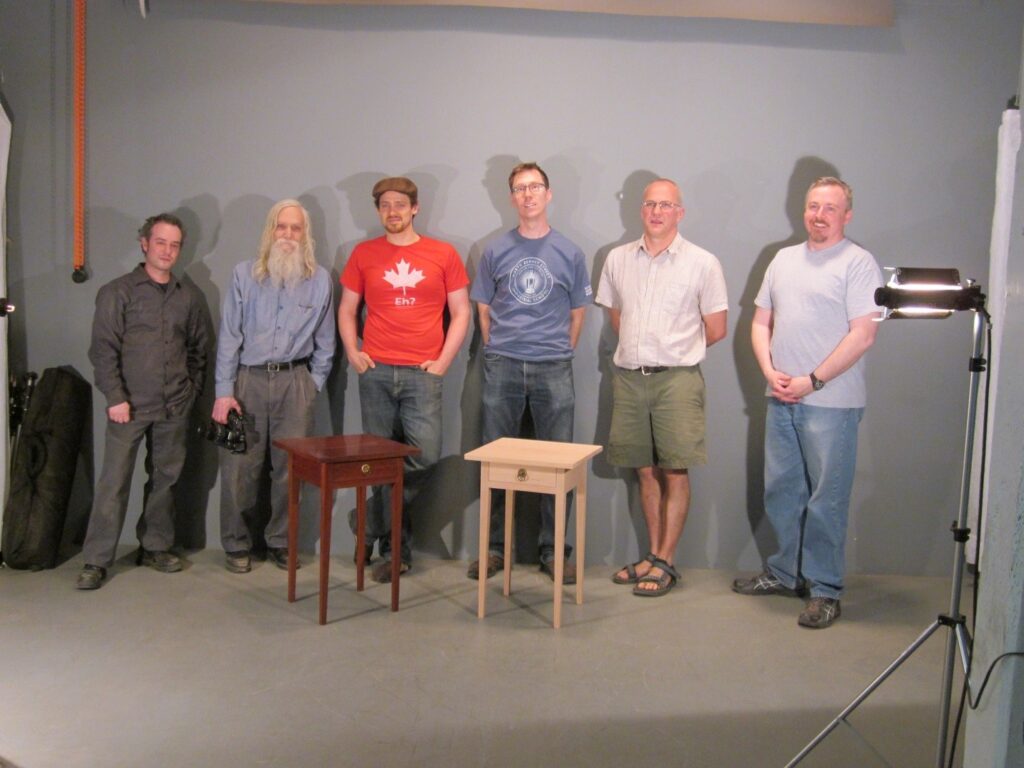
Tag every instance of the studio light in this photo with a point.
(925, 293)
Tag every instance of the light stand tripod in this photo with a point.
(927, 299)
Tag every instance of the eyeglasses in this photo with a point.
(535, 188)
(664, 205)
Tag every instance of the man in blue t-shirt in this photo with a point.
(531, 291)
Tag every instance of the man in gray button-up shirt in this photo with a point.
(149, 344)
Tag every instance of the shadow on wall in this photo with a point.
(329, 407)
(453, 485)
(336, 385)
(356, 188)
(630, 197)
(82, 491)
(751, 381)
(192, 493)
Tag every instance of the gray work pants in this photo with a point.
(277, 404)
(165, 456)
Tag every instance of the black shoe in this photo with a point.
(766, 583)
(279, 557)
(165, 562)
(238, 561)
(368, 549)
(819, 613)
(91, 577)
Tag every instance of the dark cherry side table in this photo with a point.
(344, 461)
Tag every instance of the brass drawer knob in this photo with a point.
(366, 469)
(521, 474)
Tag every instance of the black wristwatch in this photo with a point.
(816, 382)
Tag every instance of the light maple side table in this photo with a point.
(538, 466)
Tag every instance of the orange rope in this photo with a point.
(79, 142)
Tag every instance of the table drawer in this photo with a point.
(543, 477)
(372, 471)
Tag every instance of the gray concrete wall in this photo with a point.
(216, 109)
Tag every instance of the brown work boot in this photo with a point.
(568, 572)
(495, 563)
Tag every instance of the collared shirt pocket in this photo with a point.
(298, 320)
(676, 300)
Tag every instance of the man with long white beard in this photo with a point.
(274, 352)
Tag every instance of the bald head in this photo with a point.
(663, 189)
(661, 211)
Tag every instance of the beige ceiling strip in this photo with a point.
(871, 13)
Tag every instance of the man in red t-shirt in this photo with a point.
(406, 281)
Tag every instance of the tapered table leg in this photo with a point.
(485, 536)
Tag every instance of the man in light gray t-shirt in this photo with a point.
(815, 318)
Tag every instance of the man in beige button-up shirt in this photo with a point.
(666, 299)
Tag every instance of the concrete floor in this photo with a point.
(206, 668)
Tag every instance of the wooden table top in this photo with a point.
(332, 449)
(534, 453)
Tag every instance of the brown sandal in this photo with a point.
(631, 575)
(664, 583)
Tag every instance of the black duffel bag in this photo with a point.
(43, 469)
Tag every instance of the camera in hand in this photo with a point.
(230, 435)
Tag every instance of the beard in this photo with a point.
(394, 227)
(284, 263)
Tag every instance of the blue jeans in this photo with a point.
(509, 387)
(403, 403)
(809, 459)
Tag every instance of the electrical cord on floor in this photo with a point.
(974, 703)
(965, 692)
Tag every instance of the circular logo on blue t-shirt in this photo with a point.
(531, 281)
